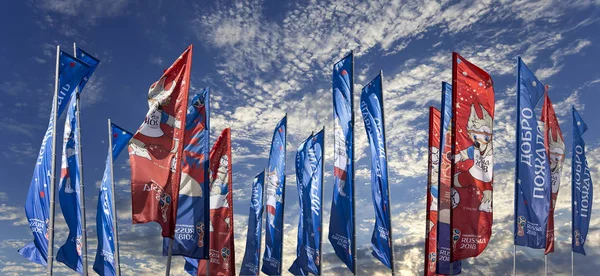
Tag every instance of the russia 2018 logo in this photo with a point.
(521, 221)
(200, 232)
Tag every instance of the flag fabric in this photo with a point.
(192, 211)
(444, 191)
(275, 193)
(251, 261)
(71, 72)
(371, 107)
(91, 61)
(105, 254)
(581, 187)
(431, 210)
(222, 251)
(341, 220)
(473, 118)
(156, 148)
(309, 179)
(555, 149)
(533, 180)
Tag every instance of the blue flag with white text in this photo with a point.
(533, 185)
(581, 187)
(37, 205)
(251, 261)
(104, 263)
(371, 107)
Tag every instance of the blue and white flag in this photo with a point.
(341, 221)
(105, 254)
(533, 185)
(581, 187)
(371, 107)
(309, 180)
(251, 261)
(275, 194)
(91, 61)
(37, 205)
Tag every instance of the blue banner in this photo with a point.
(91, 61)
(533, 185)
(581, 187)
(275, 195)
(309, 180)
(37, 205)
(105, 254)
(341, 221)
(193, 212)
(371, 107)
(251, 261)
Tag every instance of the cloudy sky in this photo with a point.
(265, 58)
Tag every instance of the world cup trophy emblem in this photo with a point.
(200, 232)
(47, 226)
(577, 236)
(432, 260)
(317, 258)
(78, 244)
(521, 224)
(455, 237)
(225, 254)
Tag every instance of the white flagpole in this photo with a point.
(546, 265)
(572, 264)
(514, 260)
(388, 186)
(53, 167)
(355, 259)
(114, 207)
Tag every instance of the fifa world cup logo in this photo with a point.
(225, 254)
(318, 258)
(455, 237)
(47, 228)
(432, 260)
(79, 244)
(521, 224)
(200, 232)
(577, 236)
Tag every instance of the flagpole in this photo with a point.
(514, 259)
(283, 194)
(114, 207)
(264, 207)
(518, 130)
(321, 203)
(546, 265)
(170, 254)
(53, 166)
(572, 262)
(354, 265)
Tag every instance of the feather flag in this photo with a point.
(581, 187)
(251, 261)
(432, 194)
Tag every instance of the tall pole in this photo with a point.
(572, 264)
(283, 193)
(170, 254)
(264, 207)
(114, 207)
(516, 164)
(354, 265)
(387, 178)
(81, 190)
(514, 260)
(53, 166)
(321, 203)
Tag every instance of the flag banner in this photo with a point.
(275, 193)
(91, 61)
(71, 72)
(431, 210)
(473, 118)
(105, 254)
(251, 261)
(222, 251)
(444, 182)
(533, 182)
(309, 180)
(341, 220)
(191, 266)
(555, 148)
(581, 186)
(371, 107)
(156, 148)
(192, 212)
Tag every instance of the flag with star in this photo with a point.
(582, 189)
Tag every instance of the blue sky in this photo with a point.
(265, 58)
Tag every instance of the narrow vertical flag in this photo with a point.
(222, 251)
(533, 180)
(275, 193)
(105, 254)
(91, 61)
(555, 148)
(251, 261)
(341, 221)
(309, 161)
(71, 72)
(473, 120)
(371, 107)
(156, 148)
(192, 216)
(581, 186)
(432, 195)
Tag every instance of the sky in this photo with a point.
(263, 59)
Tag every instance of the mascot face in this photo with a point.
(480, 130)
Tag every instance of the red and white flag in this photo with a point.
(433, 169)
(156, 148)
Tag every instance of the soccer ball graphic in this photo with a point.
(455, 198)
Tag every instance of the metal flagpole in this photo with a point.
(322, 178)
(572, 264)
(170, 254)
(53, 173)
(283, 193)
(81, 190)
(386, 177)
(114, 207)
(354, 265)
(518, 130)
(546, 265)
(264, 207)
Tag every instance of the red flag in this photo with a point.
(473, 118)
(155, 149)
(555, 148)
(432, 191)
(222, 251)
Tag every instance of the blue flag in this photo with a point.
(105, 254)
(191, 266)
(37, 205)
(533, 185)
(444, 204)
(581, 187)
(275, 195)
(192, 211)
(309, 180)
(341, 221)
(251, 261)
(91, 61)
(371, 107)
